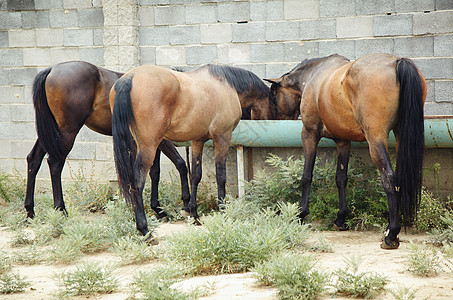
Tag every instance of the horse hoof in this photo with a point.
(391, 245)
(164, 219)
(196, 222)
(150, 240)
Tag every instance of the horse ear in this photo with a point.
(275, 80)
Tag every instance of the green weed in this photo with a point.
(133, 251)
(87, 279)
(349, 281)
(29, 256)
(293, 275)
(5, 262)
(12, 188)
(12, 283)
(403, 293)
(423, 260)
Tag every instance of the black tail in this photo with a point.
(46, 126)
(123, 130)
(410, 130)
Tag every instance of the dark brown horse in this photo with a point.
(357, 101)
(67, 96)
(150, 103)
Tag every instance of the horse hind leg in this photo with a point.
(154, 173)
(380, 157)
(56, 167)
(343, 150)
(34, 160)
(197, 152)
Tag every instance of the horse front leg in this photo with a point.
(34, 160)
(169, 149)
(309, 141)
(221, 146)
(197, 152)
(343, 150)
(380, 157)
(154, 173)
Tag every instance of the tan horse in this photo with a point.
(357, 101)
(150, 103)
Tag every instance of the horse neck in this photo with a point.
(258, 102)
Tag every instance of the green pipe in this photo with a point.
(270, 133)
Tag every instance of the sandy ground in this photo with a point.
(243, 286)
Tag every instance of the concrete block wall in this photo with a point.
(266, 37)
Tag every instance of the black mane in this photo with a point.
(308, 61)
(240, 79)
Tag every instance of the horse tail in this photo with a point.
(47, 128)
(411, 141)
(124, 131)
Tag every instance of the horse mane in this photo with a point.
(240, 79)
(309, 61)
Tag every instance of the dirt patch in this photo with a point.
(243, 286)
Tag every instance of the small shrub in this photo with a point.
(349, 281)
(29, 256)
(445, 235)
(423, 260)
(293, 275)
(5, 262)
(87, 279)
(403, 293)
(22, 238)
(64, 252)
(228, 245)
(132, 251)
(85, 192)
(431, 213)
(12, 283)
(157, 284)
(322, 246)
(48, 225)
(12, 188)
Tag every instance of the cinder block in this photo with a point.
(201, 14)
(20, 149)
(337, 8)
(93, 55)
(258, 69)
(147, 55)
(372, 7)
(22, 76)
(296, 9)
(104, 152)
(35, 19)
(154, 36)
(185, 35)
(92, 17)
(5, 146)
(11, 94)
(233, 12)
(69, 4)
(234, 54)
(266, 10)
(444, 4)
(249, 32)
(170, 56)
(78, 37)
(63, 18)
(317, 29)
(341, 47)
(58, 55)
(22, 38)
(216, 33)
(169, 15)
(4, 39)
(438, 109)
(5, 112)
(430, 96)
(128, 16)
(354, 27)
(414, 46)
(392, 25)
(262, 53)
(22, 113)
(443, 45)
(436, 68)
(444, 91)
(111, 57)
(367, 46)
(404, 6)
(98, 36)
(282, 31)
(199, 55)
(48, 4)
(433, 22)
(9, 20)
(18, 131)
(298, 51)
(4, 76)
(10, 58)
(88, 135)
(275, 70)
(110, 36)
(37, 57)
(83, 150)
(146, 16)
(155, 2)
(51, 37)
(128, 56)
(127, 35)
(21, 5)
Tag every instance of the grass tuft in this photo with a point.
(11, 283)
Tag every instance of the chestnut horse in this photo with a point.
(150, 103)
(67, 96)
(357, 101)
